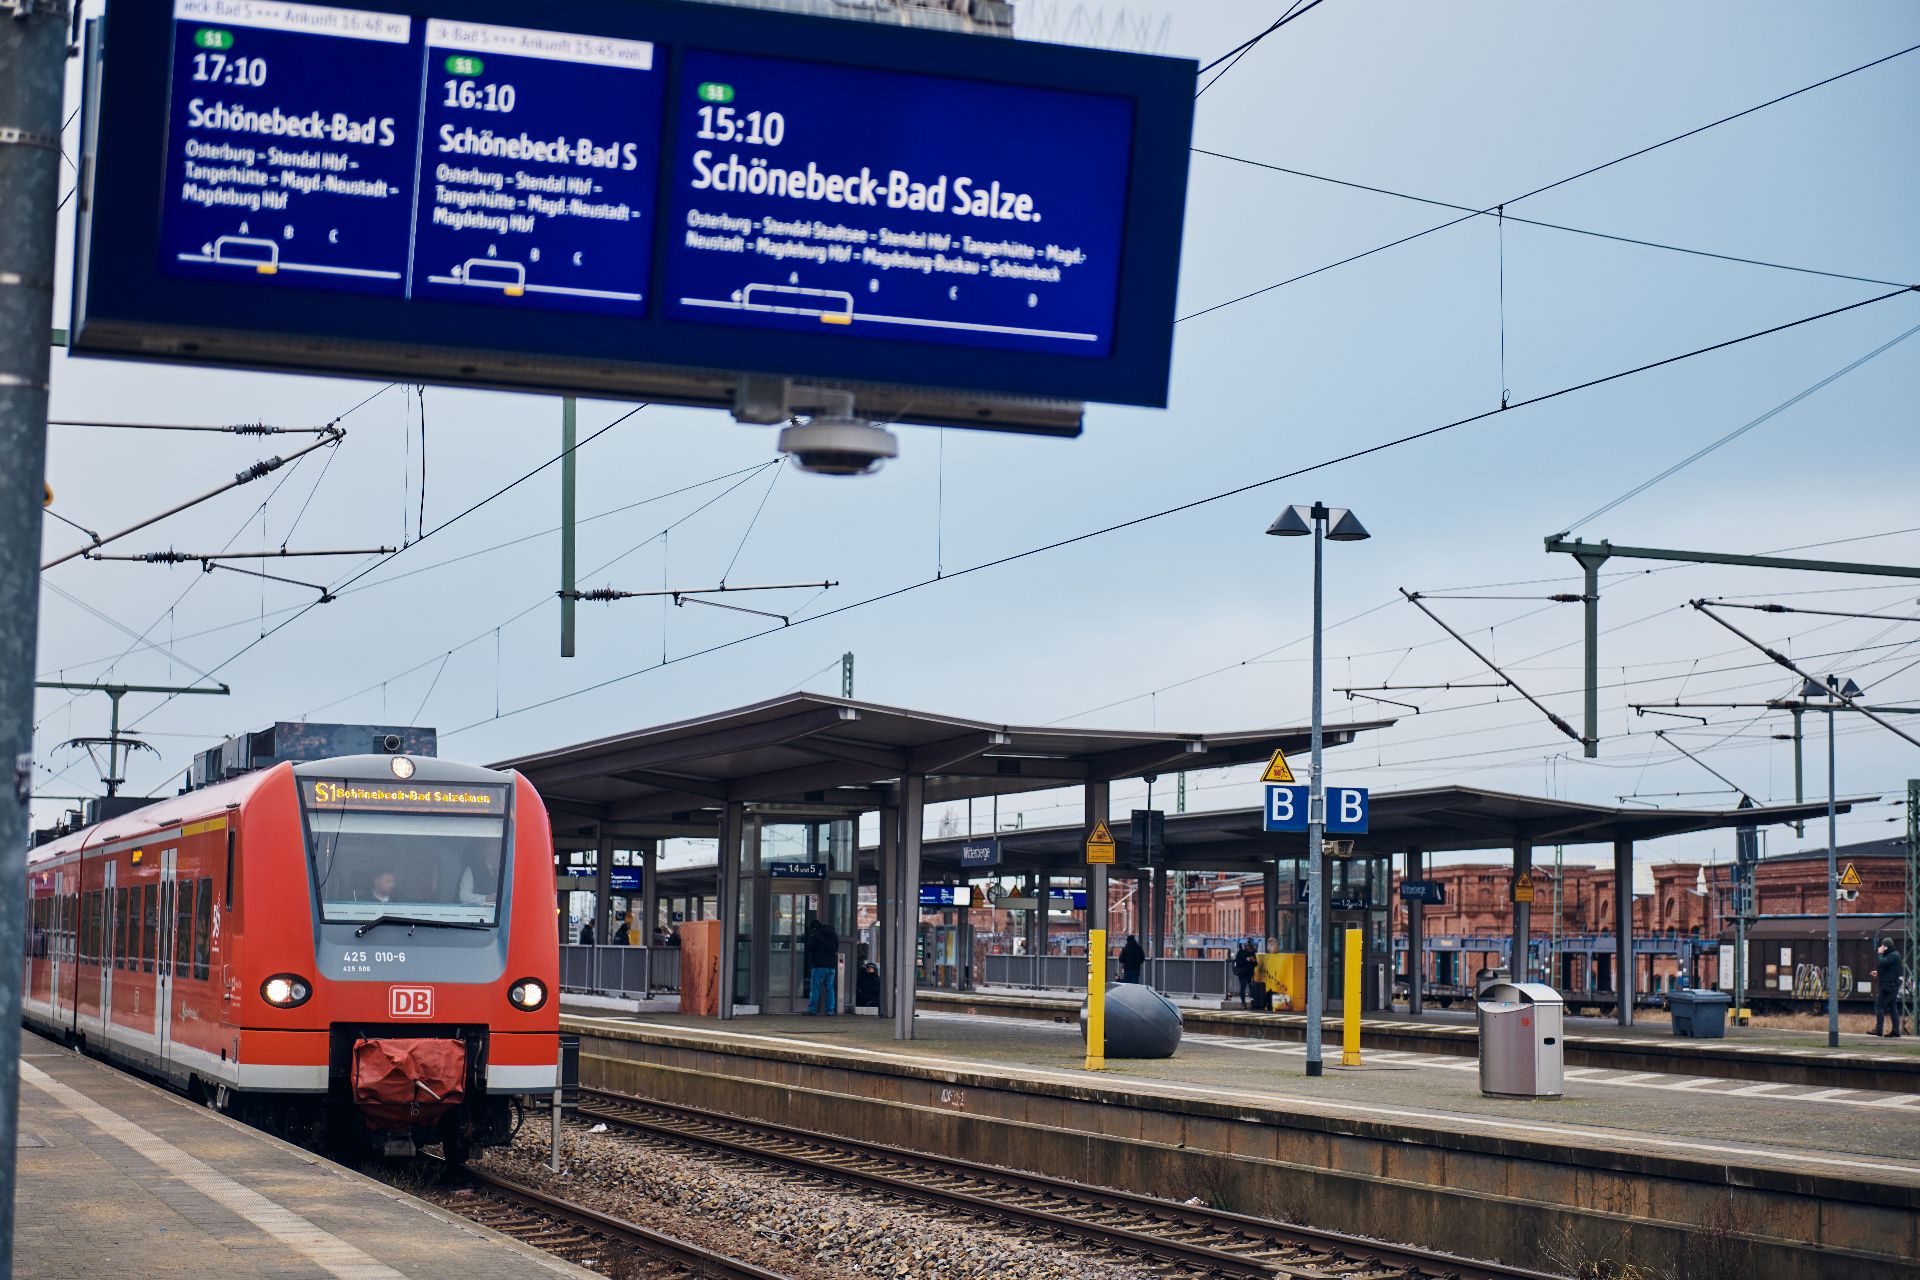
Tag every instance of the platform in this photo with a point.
(1404, 1146)
(118, 1179)
(1753, 1054)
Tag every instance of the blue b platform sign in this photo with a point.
(1286, 809)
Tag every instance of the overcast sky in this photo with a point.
(1193, 622)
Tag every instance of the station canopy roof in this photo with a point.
(808, 753)
(1431, 819)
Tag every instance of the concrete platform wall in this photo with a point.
(1521, 1202)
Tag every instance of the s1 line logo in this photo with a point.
(410, 1002)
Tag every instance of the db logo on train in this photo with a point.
(410, 1002)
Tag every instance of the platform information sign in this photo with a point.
(1347, 809)
(814, 195)
(741, 190)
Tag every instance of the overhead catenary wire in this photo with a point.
(1741, 430)
(1559, 182)
(1250, 487)
(1500, 213)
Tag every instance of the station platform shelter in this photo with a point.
(783, 784)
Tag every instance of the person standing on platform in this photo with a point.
(622, 935)
(823, 954)
(1886, 989)
(1243, 966)
(586, 934)
(1132, 956)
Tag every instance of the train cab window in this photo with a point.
(376, 851)
(203, 930)
(149, 925)
(183, 929)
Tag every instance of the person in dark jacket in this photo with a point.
(586, 934)
(1243, 966)
(623, 936)
(823, 959)
(1886, 989)
(1132, 956)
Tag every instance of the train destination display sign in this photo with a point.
(705, 191)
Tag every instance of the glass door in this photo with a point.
(787, 951)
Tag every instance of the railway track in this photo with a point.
(1174, 1238)
(582, 1235)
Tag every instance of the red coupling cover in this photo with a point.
(401, 1083)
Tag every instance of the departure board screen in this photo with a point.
(648, 200)
(833, 200)
(328, 148)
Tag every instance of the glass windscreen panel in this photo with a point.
(426, 851)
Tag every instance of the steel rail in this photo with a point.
(1252, 1242)
(697, 1258)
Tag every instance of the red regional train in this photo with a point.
(359, 951)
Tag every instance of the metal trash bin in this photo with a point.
(1700, 1014)
(1521, 1034)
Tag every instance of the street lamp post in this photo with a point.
(1345, 527)
(1832, 693)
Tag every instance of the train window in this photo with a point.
(149, 925)
(428, 865)
(90, 925)
(124, 926)
(203, 930)
(183, 929)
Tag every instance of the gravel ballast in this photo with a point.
(800, 1226)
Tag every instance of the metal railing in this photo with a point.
(1173, 977)
(619, 971)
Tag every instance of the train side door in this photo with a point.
(57, 965)
(107, 946)
(163, 956)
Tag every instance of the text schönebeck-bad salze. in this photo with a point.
(960, 195)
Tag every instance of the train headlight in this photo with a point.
(527, 994)
(286, 990)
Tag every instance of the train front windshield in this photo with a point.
(427, 851)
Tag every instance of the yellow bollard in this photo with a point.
(1096, 1000)
(1350, 1007)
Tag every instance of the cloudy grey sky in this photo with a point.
(1194, 621)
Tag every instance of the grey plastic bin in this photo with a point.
(1700, 1014)
(1522, 1054)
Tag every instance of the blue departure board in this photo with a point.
(292, 147)
(540, 156)
(649, 199)
(338, 149)
(826, 199)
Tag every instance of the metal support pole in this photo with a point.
(603, 891)
(1316, 826)
(1912, 966)
(887, 907)
(1098, 798)
(1517, 960)
(1590, 562)
(32, 67)
(1833, 891)
(913, 792)
(1416, 936)
(1043, 924)
(1159, 913)
(732, 820)
(1623, 977)
(553, 1162)
(1799, 776)
(569, 430)
(649, 910)
(1270, 906)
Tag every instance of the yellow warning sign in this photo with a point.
(1277, 770)
(1523, 888)
(1849, 879)
(1100, 845)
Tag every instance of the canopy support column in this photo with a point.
(913, 791)
(887, 907)
(1518, 966)
(732, 823)
(1416, 936)
(1624, 976)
